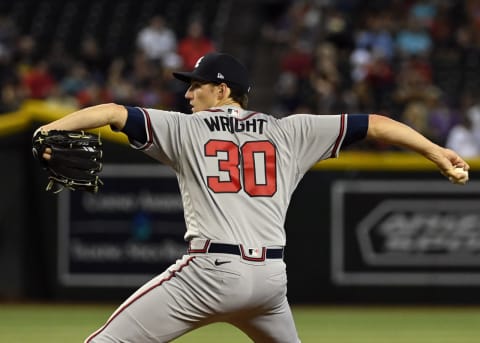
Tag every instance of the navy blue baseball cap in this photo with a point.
(218, 68)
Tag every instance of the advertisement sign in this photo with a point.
(401, 232)
(125, 234)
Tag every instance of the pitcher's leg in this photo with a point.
(150, 314)
(276, 326)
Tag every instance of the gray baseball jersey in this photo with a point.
(237, 170)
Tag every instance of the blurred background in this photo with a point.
(377, 226)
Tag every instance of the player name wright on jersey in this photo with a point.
(232, 124)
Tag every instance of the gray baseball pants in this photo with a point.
(203, 288)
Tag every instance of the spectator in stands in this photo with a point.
(336, 28)
(297, 59)
(145, 75)
(424, 12)
(414, 82)
(462, 138)
(157, 40)
(141, 70)
(468, 43)
(11, 91)
(93, 59)
(310, 28)
(360, 60)
(8, 36)
(293, 83)
(94, 93)
(444, 24)
(171, 90)
(288, 94)
(286, 26)
(413, 39)
(472, 9)
(380, 80)
(473, 114)
(76, 79)
(441, 117)
(38, 80)
(25, 54)
(415, 115)
(325, 79)
(58, 97)
(60, 61)
(194, 45)
(376, 36)
(122, 90)
(11, 97)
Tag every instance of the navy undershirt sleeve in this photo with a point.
(135, 127)
(357, 127)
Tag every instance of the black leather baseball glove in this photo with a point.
(76, 159)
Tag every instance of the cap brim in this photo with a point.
(187, 76)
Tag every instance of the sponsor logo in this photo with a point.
(405, 232)
(424, 232)
(219, 263)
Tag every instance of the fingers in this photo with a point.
(47, 154)
(464, 165)
(457, 175)
(458, 162)
(453, 167)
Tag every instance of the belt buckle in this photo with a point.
(253, 254)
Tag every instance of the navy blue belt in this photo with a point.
(245, 253)
(236, 250)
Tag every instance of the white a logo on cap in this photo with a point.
(220, 76)
(198, 61)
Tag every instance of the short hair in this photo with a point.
(236, 94)
(239, 96)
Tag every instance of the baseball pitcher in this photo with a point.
(237, 170)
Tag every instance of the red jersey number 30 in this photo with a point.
(257, 160)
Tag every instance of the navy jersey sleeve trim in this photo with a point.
(357, 127)
(138, 127)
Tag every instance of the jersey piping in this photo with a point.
(340, 137)
(149, 128)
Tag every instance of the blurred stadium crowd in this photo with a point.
(415, 60)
